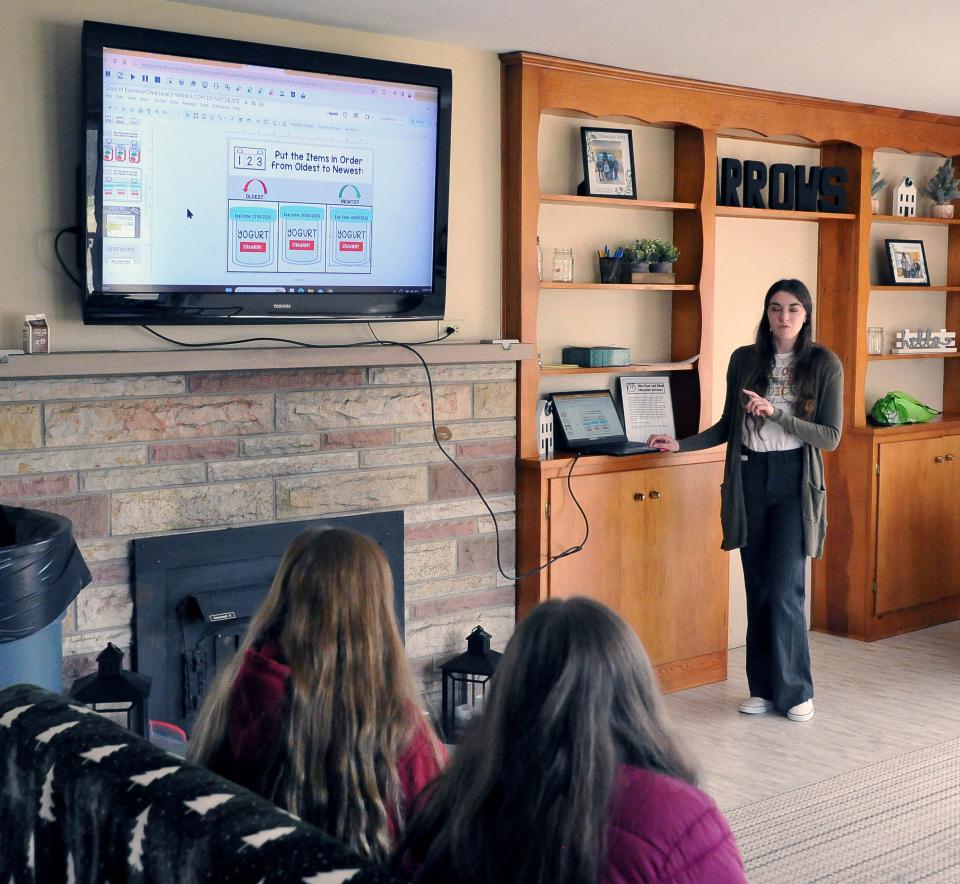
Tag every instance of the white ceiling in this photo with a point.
(899, 53)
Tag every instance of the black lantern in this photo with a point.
(113, 691)
(465, 679)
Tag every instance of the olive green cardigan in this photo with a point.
(822, 432)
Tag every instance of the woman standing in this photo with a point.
(784, 404)
(318, 710)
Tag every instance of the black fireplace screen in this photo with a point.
(194, 595)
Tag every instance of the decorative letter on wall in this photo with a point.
(782, 191)
(807, 189)
(731, 174)
(754, 180)
(833, 196)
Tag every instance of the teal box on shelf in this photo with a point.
(596, 357)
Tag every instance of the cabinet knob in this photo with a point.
(639, 496)
(654, 495)
(949, 457)
(938, 459)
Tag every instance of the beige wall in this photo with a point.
(40, 51)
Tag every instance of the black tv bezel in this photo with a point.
(192, 307)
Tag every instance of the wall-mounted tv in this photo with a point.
(225, 181)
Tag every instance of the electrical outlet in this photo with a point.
(445, 324)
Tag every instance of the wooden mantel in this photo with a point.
(132, 362)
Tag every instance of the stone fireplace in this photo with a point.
(137, 445)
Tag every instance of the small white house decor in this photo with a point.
(545, 428)
(924, 340)
(905, 198)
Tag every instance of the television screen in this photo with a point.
(229, 181)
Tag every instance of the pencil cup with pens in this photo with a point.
(611, 266)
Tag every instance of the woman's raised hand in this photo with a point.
(757, 405)
(663, 442)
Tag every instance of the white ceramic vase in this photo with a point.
(942, 211)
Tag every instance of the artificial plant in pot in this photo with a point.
(642, 252)
(666, 254)
(942, 189)
(876, 185)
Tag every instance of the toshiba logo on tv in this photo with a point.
(281, 306)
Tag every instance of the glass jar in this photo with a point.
(539, 261)
(875, 340)
(563, 265)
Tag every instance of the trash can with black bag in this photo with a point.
(41, 572)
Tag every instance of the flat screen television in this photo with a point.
(225, 181)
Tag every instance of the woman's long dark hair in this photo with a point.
(528, 794)
(806, 352)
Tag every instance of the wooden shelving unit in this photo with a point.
(846, 599)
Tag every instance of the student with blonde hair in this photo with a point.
(571, 775)
(318, 711)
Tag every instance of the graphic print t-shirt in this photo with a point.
(781, 393)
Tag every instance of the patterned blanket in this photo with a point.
(86, 802)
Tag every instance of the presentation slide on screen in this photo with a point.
(590, 417)
(260, 180)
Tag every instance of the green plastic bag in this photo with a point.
(898, 408)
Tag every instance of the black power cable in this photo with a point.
(56, 251)
(379, 342)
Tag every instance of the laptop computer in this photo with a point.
(588, 423)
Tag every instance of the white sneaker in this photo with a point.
(755, 706)
(801, 712)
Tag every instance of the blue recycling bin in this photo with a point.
(41, 572)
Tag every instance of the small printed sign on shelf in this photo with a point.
(924, 340)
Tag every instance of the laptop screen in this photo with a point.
(588, 417)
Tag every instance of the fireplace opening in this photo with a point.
(194, 595)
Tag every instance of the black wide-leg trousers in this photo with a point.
(778, 656)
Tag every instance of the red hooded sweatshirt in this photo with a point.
(258, 704)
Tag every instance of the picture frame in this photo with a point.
(607, 163)
(907, 262)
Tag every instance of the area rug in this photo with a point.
(896, 820)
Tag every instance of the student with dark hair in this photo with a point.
(784, 405)
(318, 710)
(571, 775)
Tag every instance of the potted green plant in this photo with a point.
(876, 185)
(666, 254)
(642, 252)
(942, 189)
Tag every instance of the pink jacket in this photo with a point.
(663, 829)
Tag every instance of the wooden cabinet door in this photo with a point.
(671, 559)
(917, 523)
(653, 554)
(595, 570)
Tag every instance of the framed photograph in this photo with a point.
(907, 262)
(607, 163)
